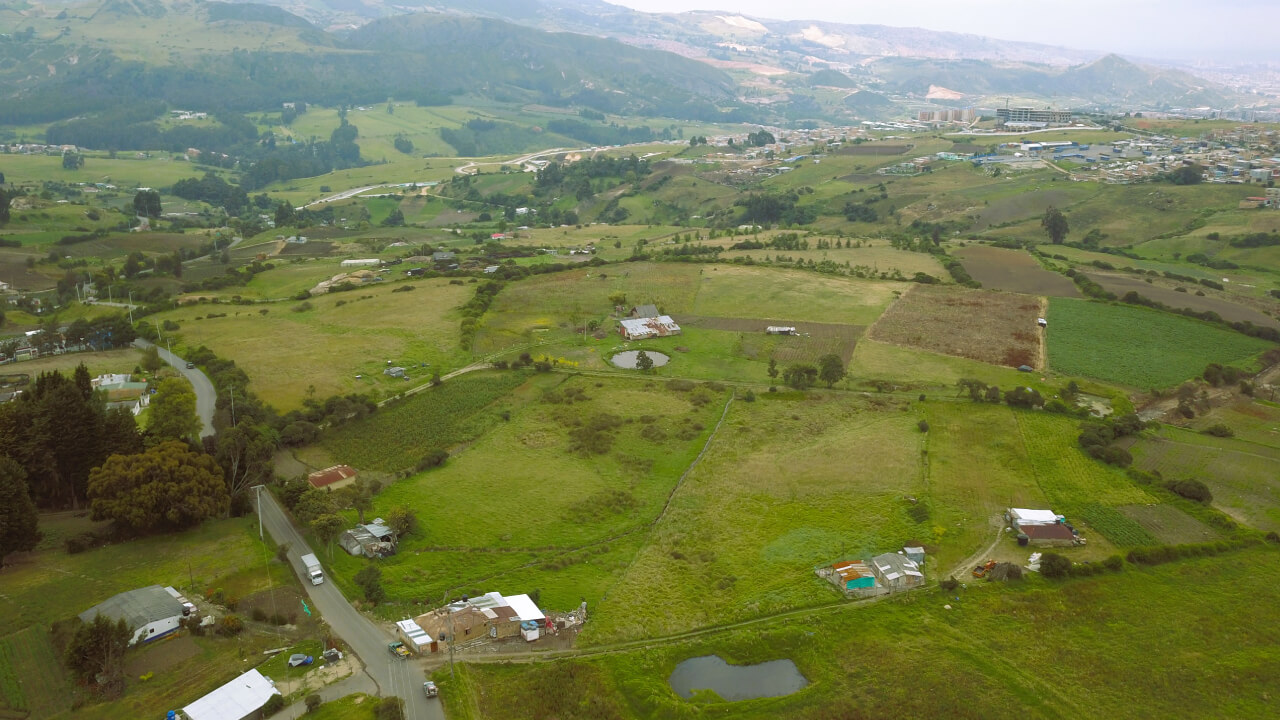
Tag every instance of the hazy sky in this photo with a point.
(1212, 30)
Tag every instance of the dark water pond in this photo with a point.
(736, 682)
(627, 360)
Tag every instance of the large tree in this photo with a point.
(800, 376)
(147, 202)
(245, 453)
(96, 653)
(4, 207)
(18, 525)
(169, 487)
(1055, 224)
(830, 369)
(173, 411)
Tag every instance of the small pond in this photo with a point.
(627, 360)
(736, 682)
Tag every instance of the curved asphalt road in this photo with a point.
(394, 677)
(206, 396)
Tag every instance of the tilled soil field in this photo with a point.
(996, 328)
(1015, 271)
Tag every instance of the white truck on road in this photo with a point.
(314, 571)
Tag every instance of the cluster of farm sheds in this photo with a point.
(893, 572)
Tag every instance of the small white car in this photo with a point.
(429, 689)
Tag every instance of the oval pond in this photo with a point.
(627, 360)
(736, 682)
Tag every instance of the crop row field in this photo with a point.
(1241, 475)
(1137, 346)
(32, 680)
(1138, 629)
(995, 328)
(398, 435)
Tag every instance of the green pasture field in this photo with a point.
(344, 334)
(1137, 346)
(1127, 645)
(789, 482)
(878, 258)
(755, 292)
(398, 435)
(547, 302)
(1127, 214)
(985, 458)
(284, 281)
(99, 363)
(54, 586)
(351, 707)
(126, 171)
(1241, 474)
(521, 496)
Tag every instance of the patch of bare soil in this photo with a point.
(991, 327)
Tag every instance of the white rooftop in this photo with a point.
(235, 700)
(1034, 517)
(524, 607)
(414, 632)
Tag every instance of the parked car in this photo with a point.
(398, 649)
(190, 365)
(298, 660)
(429, 689)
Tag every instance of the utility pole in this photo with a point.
(258, 493)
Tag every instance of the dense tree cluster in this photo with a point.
(169, 487)
(214, 190)
(58, 431)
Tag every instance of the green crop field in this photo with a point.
(343, 335)
(1128, 645)
(31, 676)
(787, 484)
(398, 435)
(1137, 346)
(558, 492)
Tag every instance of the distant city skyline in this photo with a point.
(1229, 31)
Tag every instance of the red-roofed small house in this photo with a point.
(338, 476)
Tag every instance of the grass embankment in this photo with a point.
(1139, 347)
(1129, 645)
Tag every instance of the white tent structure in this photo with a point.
(1023, 516)
(236, 700)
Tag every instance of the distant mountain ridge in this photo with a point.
(878, 58)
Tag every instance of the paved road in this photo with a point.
(367, 640)
(206, 396)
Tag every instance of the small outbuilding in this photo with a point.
(239, 699)
(1048, 535)
(338, 476)
(414, 637)
(644, 311)
(150, 611)
(897, 571)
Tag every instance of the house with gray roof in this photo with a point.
(151, 612)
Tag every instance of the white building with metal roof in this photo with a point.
(151, 612)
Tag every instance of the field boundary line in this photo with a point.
(676, 488)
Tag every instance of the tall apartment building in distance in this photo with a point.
(1025, 117)
(964, 115)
